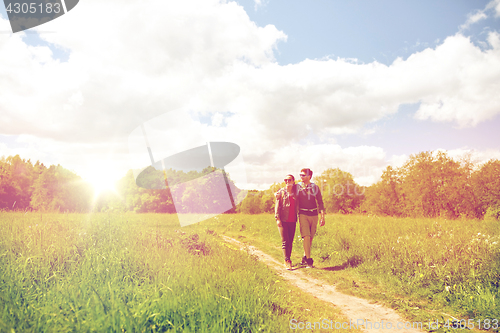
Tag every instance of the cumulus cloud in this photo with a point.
(458, 81)
(126, 67)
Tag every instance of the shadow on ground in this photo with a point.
(353, 261)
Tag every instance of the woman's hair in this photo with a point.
(293, 178)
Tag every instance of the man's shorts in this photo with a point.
(308, 225)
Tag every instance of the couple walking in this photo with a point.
(302, 199)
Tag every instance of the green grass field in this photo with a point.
(428, 269)
(144, 273)
(137, 273)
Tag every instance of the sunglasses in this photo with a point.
(303, 175)
(288, 180)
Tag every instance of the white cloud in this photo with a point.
(495, 5)
(397, 161)
(125, 70)
(477, 157)
(217, 119)
(364, 163)
(474, 18)
(260, 3)
(480, 15)
(458, 82)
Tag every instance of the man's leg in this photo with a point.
(305, 232)
(307, 246)
(313, 223)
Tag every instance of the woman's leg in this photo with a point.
(283, 235)
(290, 230)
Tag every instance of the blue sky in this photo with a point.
(357, 85)
(364, 30)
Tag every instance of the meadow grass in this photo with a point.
(136, 273)
(422, 267)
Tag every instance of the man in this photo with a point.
(310, 202)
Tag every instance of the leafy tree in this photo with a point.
(486, 186)
(251, 204)
(8, 190)
(436, 186)
(257, 202)
(427, 185)
(339, 190)
(267, 201)
(138, 199)
(267, 198)
(385, 197)
(58, 189)
(16, 181)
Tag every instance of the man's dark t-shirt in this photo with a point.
(310, 199)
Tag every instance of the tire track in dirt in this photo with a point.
(352, 307)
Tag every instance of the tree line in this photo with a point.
(24, 185)
(429, 184)
(435, 185)
(28, 186)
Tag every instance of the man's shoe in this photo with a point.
(288, 264)
(304, 261)
(310, 263)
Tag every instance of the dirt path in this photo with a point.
(358, 310)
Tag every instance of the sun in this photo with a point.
(101, 179)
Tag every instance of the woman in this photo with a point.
(286, 210)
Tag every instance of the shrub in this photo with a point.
(492, 213)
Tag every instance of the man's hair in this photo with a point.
(307, 171)
(293, 178)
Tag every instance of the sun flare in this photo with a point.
(101, 180)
